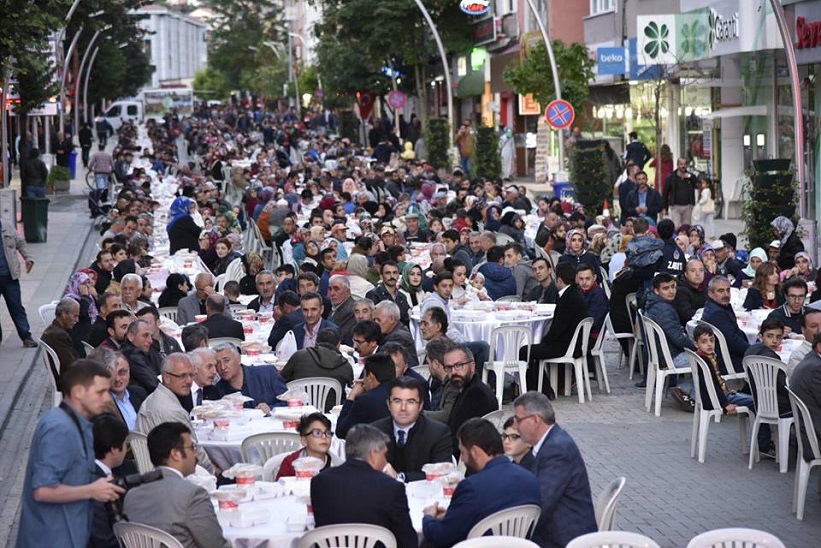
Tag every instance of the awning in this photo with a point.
(734, 112)
(612, 94)
(471, 85)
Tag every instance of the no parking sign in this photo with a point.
(397, 99)
(559, 114)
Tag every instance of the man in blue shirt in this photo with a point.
(262, 382)
(61, 479)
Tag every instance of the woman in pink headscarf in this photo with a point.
(81, 288)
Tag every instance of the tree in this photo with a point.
(532, 73)
(209, 83)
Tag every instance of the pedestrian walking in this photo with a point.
(680, 195)
(85, 136)
(10, 281)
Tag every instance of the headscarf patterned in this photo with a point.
(405, 281)
(178, 210)
(73, 290)
(358, 266)
(784, 227)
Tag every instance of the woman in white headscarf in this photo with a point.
(358, 275)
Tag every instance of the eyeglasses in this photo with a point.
(189, 376)
(192, 447)
(517, 419)
(511, 437)
(796, 297)
(460, 365)
(317, 433)
(399, 402)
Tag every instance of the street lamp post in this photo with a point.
(79, 77)
(85, 84)
(446, 68)
(63, 78)
(294, 76)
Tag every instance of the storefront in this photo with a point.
(807, 39)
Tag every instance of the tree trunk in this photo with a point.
(421, 93)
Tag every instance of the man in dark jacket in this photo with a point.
(680, 194)
(791, 313)
(144, 362)
(690, 293)
(85, 136)
(719, 313)
(288, 316)
(389, 290)
(342, 303)
(386, 315)
(323, 360)
(33, 175)
(499, 281)
(218, 324)
(643, 200)
(673, 255)
(636, 151)
(546, 292)
(366, 403)
(453, 244)
(475, 398)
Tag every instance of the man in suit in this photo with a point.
(389, 290)
(126, 398)
(495, 483)
(205, 374)
(571, 309)
(266, 287)
(145, 362)
(262, 383)
(109, 453)
(164, 404)
(367, 402)
(339, 291)
(287, 315)
(805, 382)
(58, 334)
(106, 304)
(415, 440)
(312, 309)
(172, 504)
(380, 500)
(387, 315)
(218, 324)
(643, 200)
(567, 505)
(192, 305)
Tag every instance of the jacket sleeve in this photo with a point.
(201, 521)
(141, 372)
(683, 307)
(631, 201)
(598, 309)
(669, 323)
(654, 204)
(753, 300)
(458, 520)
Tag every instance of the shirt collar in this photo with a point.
(541, 441)
(562, 290)
(407, 429)
(172, 470)
(125, 399)
(103, 466)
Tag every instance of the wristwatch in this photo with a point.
(400, 477)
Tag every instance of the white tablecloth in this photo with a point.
(749, 325)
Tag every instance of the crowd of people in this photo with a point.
(344, 234)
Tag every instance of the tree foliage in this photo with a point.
(532, 74)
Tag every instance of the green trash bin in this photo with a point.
(35, 219)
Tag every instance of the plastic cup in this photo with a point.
(294, 403)
(221, 424)
(254, 351)
(248, 329)
(246, 480)
(290, 424)
(264, 318)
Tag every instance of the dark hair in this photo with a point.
(369, 330)
(164, 438)
(807, 314)
(306, 420)
(115, 315)
(82, 373)
(288, 297)
(232, 287)
(193, 336)
(769, 324)
(395, 348)
(640, 225)
(408, 383)
(451, 235)
(481, 433)
(795, 281)
(729, 239)
(287, 269)
(328, 337)
(102, 300)
(309, 276)
(175, 279)
(325, 252)
(516, 247)
(394, 252)
(443, 275)
(495, 254)
(101, 253)
(662, 278)
(585, 266)
(701, 330)
(666, 228)
(389, 262)
(381, 366)
(149, 309)
(311, 295)
(438, 314)
(510, 420)
(540, 259)
(109, 433)
(566, 272)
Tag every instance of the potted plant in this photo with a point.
(589, 175)
(59, 180)
(438, 143)
(488, 158)
(770, 193)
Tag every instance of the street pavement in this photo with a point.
(668, 496)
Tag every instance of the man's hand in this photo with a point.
(434, 511)
(730, 408)
(388, 470)
(357, 390)
(103, 490)
(264, 408)
(29, 265)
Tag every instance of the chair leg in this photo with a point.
(500, 383)
(743, 423)
(660, 381)
(554, 377)
(522, 377)
(602, 375)
(632, 362)
(648, 391)
(783, 450)
(585, 370)
(704, 418)
(568, 379)
(802, 478)
(540, 376)
(754, 444)
(694, 437)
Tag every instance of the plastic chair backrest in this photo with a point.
(598, 346)
(139, 447)
(583, 331)
(271, 467)
(496, 542)
(137, 535)
(52, 364)
(736, 537)
(662, 349)
(762, 373)
(513, 337)
(47, 313)
(234, 271)
(169, 312)
(498, 417)
(721, 342)
(219, 282)
(511, 522)
(319, 390)
(268, 444)
(359, 535)
(88, 348)
(612, 539)
(606, 504)
(423, 370)
(702, 373)
(805, 426)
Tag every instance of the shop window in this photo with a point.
(602, 6)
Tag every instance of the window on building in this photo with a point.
(504, 7)
(602, 6)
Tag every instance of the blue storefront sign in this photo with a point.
(640, 71)
(611, 61)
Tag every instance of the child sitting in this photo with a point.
(476, 287)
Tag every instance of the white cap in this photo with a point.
(717, 244)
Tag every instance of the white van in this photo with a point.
(121, 111)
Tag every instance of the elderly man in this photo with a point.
(366, 402)
(217, 323)
(690, 293)
(381, 500)
(144, 361)
(162, 343)
(363, 310)
(312, 308)
(414, 233)
(388, 290)
(719, 313)
(386, 315)
(192, 305)
(10, 280)
(58, 334)
(163, 405)
(433, 323)
(567, 505)
(487, 240)
(266, 287)
(106, 304)
(131, 287)
(342, 312)
(261, 383)
(810, 325)
(205, 374)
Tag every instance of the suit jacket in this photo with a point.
(428, 441)
(56, 336)
(501, 484)
(367, 408)
(723, 318)
(380, 293)
(179, 507)
(219, 325)
(344, 319)
(299, 331)
(567, 505)
(144, 366)
(571, 308)
(164, 406)
(380, 500)
(286, 323)
(102, 535)
(805, 382)
(476, 399)
(188, 308)
(99, 332)
(402, 335)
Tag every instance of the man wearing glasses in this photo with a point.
(567, 505)
(163, 405)
(415, 440)
(172, 504)
(791, 313)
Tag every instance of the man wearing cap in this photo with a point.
(339, 232)
(514, 199)
(725, 265)
(414, 233)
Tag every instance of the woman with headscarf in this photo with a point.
(697, 241)
(81, 288)
(492, 214)
(612, 246)
(298, 245)
(576, 254)
(208, 248)
(183, 232)
(790, 242)
(803, 268)
(411, 284)
(513, 225)
(747, 274)
(358, 275)
(177, 286)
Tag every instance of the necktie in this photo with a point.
(400, 434)
(198, 398)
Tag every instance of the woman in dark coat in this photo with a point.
(177, 286)
(183, 232)
(790, 242)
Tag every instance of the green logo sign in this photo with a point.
(657, 42)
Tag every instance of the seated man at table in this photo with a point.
(805, 382)
(399, 354)
(145, 362)
(266, 286)
(792, 311)
(163, 405)
(163, 343)
(288, 315)
(387, 315)
(205, 375)
(342, 313)
(442, 394)
(380, 500)
(117, 324)
(363, 309)
(58, 334)
(106, 304)
(194, 336)
(415, 439)
(719, 313)
(312, 309)
(495, 483)
(690, 293)
(367, 402)
(261, 383)
(192, 305)
(323, 360)
(546, 291)
(172, 504)
(810, 325)
(218, 324)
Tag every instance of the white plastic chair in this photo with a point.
(735, 537)
(268, 444)
(88, 348)
(659, 354)
(763, 373)
(579, 364)
(511, 522)
(138, 442)
(496, 542)
(213, 343)
(271, 467)
(724, 350)
(803, 426)
(319, 390)
(498, 417)
(605, 282)
(52, 363)
(612, 539)
(606, 504)
(47, 313)
(137, 535)
(511, 338)
(611, 332)
(638, 340)
(169, 312)
(701, 417)
(598, 355)
(423, 370)
(234, 272)
(219, 282)
(359, 535)
(509, 299)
